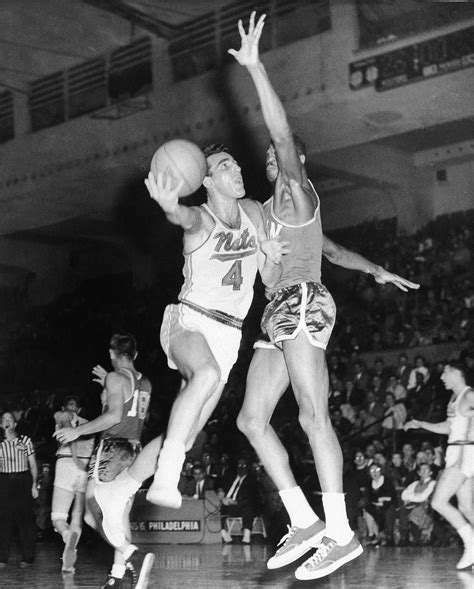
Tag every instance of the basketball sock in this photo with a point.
(127, 553)
(337, 524)
(118, 571)
(299, 510)
(170, 463)
(466, 534)
(128, 485)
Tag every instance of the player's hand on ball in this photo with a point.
(100, 373)
(161, 191)
(274, 249)
(248, 52)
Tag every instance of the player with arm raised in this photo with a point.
(298, 322)
(224, 244)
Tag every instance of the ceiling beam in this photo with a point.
(136, 16)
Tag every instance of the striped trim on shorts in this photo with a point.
(307, 307)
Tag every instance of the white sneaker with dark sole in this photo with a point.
(295, 543)
(328, 557)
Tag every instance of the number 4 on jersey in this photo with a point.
(234, 276)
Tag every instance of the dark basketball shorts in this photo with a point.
(111, 457)
(307, 307)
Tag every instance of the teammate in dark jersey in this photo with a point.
(118, 466)
(298, 322)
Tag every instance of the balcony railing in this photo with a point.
(7, 121)
(202, 43)
(90, 86)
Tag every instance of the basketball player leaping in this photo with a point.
(224, 243)
(458, 476)
(298, 322)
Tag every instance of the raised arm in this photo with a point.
(272, 108)
(340, 256)
(189, 218)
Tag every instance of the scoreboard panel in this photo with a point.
(415, 62)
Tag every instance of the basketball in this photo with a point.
(182, 160)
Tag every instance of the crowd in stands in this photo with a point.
(390, 473)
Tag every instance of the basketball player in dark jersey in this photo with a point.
(298, 322)
(118, 466)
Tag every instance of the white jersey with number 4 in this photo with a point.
(219, 275)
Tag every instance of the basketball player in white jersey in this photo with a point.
(458, 476)
(224, 243)
(70, 482)
(297, 323)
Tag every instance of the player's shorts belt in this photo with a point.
(461, 443)
(69, 456)
(219, 316)
(293, 289)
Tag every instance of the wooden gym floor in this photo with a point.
(243, 567)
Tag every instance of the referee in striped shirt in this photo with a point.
(18, 477)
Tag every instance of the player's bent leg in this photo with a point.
(115, 497)
(201, 375)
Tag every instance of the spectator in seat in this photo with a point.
(419, 368)
(430, 460)
(186, 479)
(397, 472)
(403, 369)
(224, 472)
(415, 512)
(395, 418)
(360, 378)
(378, 388)
(241, 499)
(396, 388)
(382, 504)
(380, 371)
(202, 483)
(341, 425)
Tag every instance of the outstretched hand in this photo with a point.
(274, 249)
(100, 373)
(248, 52)
(382, 276)
(160, 190)
(413, 424)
